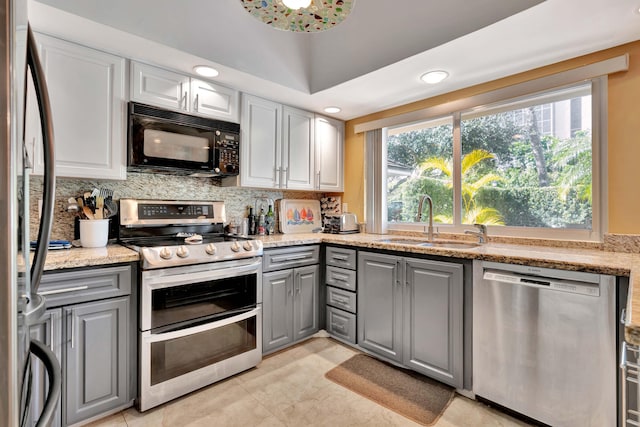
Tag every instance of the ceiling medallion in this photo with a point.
(321, 15)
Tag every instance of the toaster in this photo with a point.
(341, 224)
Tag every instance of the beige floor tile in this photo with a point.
(289, 389)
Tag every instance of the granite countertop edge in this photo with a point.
(590, 260)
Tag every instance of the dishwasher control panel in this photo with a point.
(583, 288)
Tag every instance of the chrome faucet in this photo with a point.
(481, 232)
(419, 215)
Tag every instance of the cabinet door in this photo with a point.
(433, 332)
(158, 87)
(86, 88)
(298, 162)
(97, 356)
(49, 332)
(306, 285)
(329, 154)
(277, 309)
(380, 304)
(261, 127)
(209, 99)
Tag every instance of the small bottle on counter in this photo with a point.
(270, 221)
(251, 217)
(261, 225)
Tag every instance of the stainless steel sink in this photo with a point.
(452, 245)
(436, 243)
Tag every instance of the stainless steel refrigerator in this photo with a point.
(21, 271)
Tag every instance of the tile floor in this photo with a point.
(288, 388)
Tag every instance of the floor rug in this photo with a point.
(412, 395)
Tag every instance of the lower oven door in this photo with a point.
(178, 362)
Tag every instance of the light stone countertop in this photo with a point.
(87, 257)
(577, 259)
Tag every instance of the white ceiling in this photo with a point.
(370, 62)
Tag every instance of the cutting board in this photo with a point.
(299, 216)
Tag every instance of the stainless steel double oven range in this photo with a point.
(200, 296)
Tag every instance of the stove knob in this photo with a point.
(247, 246)
(182, 252)
(165, 253)
(210, 249)
(235, 247)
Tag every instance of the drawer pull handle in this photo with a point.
(285, 258)
(341, 300)
(338, 257)
(65, 290)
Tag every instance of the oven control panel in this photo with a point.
(172, 256)
(174, 211)
(135, 212)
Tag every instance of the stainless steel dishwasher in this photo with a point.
(544, 343)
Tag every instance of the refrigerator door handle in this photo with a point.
(52, 366)
(49, 180)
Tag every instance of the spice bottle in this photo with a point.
(261, 225)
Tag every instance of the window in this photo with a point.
(524, 166)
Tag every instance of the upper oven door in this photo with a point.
(180, 297)
(170, 142)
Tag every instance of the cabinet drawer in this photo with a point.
(340, 298)
(71, 287)
(295, 256)
(341, 324)
(341, 278)
(345, 258)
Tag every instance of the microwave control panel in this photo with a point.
(227, 152)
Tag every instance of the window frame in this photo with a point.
(377, 173)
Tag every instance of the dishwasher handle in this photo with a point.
(561, 285)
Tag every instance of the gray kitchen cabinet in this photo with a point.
(96, 361)
(290, 296)
(91, 332)
(341, 293)
(410, 311)
(277, 309)
(380, 292)
(433, 319)
(49, 332)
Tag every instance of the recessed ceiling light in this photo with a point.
(296, 4)
(332, 110)
(433, 77)
(206, 71)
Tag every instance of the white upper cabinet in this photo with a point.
(88, 105)
(214, 100)
(163, 88)
(261, 129)
(329, 154)
(287, 148)
(298, 155)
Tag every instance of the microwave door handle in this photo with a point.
(49, 180)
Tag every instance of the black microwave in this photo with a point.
(163, 141)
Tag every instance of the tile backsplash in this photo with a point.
(151, 186)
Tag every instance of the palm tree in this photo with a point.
(573, 159)
(471, 185)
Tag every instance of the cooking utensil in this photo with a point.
(99, 213)
(88, 213)
(111, 208)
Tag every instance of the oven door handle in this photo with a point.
(201, 328)
(160, 282)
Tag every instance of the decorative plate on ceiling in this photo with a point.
(321, 15)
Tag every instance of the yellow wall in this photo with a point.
(623, 135)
